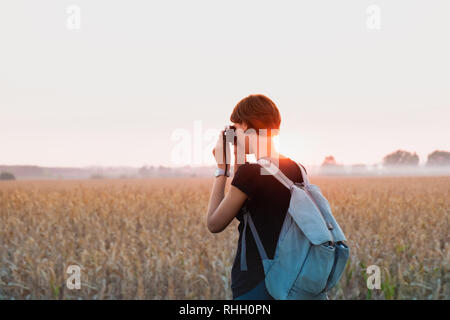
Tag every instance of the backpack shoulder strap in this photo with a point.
(280, 176)
(304, 175)
(272, 169)
(262, 252)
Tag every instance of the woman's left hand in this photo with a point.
(218, 153)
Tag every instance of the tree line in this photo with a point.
(404, 158)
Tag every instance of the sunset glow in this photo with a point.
(113, 92)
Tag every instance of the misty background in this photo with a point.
(113, 92)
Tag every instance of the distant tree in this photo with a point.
(7, 176)
(329, 161)
(401, 158)
(144, 171)
(331, 167)
(439, 158)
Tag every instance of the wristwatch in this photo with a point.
(221, 172)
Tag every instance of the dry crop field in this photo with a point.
(147, 239)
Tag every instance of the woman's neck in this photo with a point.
(270, 151)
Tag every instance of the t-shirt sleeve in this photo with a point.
(245, 179)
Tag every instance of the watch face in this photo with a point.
(219, 172)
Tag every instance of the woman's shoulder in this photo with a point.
(254, 168)
(248, 169)
(295, 164)
(246, 178)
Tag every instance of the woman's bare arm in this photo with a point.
(222, 209)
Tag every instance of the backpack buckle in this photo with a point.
(300, 184)
(330, 226)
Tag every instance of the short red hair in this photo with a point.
(258, 112)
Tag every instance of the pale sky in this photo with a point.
(114, 92)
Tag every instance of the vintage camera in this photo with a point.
(227, 133)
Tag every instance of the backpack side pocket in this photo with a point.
(316, 270)
(342, 254)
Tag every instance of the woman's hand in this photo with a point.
(218, 153)
(239, 149)
(222, 209)
(236, 162)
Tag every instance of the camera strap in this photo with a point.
(225, 153)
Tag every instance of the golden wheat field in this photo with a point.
(147, 239)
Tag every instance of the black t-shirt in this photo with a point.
(267, 202)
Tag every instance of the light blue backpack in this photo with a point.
(310, 256)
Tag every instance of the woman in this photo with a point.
(263, 196)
